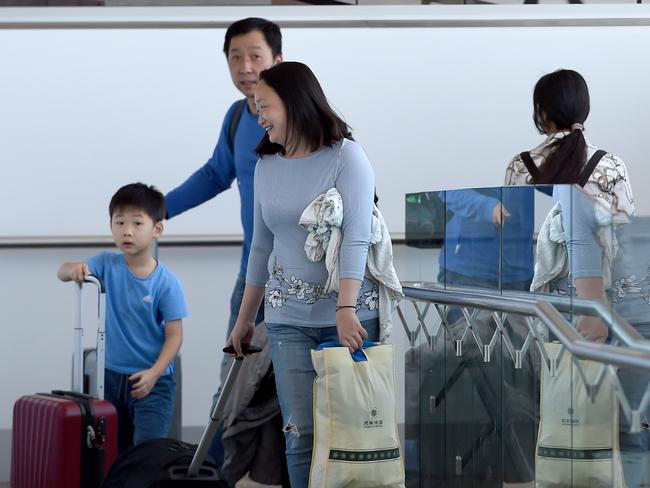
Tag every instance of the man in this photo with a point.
(251, 45)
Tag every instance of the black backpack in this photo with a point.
(161, 463)
(583, 178)
(234, 122)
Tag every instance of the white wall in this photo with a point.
(443, 102)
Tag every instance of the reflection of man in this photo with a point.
(488, 239)
(251, 45)
(488, 244)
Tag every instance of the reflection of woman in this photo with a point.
(561, 106)
(305, 152)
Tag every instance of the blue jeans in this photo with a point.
(138, 420)
(291, 347)
(216, 447)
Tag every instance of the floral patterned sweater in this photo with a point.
(283, 188)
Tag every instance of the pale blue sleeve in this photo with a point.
(172, 304)
(97, 264)
(356, 184)
(581, 227)
(257, 273)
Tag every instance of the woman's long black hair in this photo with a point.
(562, 97)
(310, 119)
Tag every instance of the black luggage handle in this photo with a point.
(217, 412)
(245, 349)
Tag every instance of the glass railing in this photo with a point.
(508, 387)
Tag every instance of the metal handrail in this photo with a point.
(623, 330)
(627, 358)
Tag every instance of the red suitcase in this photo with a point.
(66, 439)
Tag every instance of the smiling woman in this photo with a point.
(305, 154)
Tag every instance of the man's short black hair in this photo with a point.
(142, 197)
(271, 32)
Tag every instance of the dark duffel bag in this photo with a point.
(161, 463)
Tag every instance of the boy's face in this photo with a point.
(248, 55)
(134, 230)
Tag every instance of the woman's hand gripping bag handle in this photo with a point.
(356, 443)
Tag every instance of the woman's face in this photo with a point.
(272, 115)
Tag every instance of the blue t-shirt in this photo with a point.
(228, 161)
(136, 311)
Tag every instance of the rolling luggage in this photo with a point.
(169, 463)
(66, 439)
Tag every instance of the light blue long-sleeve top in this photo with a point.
(283, 189)
(581, 228)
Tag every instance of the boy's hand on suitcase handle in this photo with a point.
(73, 272)
(144, 381)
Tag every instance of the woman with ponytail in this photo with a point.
(561, 107)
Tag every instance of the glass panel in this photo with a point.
(475, 411)
(518, 210)
(424, 231)
(629, 295)
(471, 248)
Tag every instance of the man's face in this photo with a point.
(248, 55)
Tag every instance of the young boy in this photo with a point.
(144, 310)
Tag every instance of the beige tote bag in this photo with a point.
(356, 444)
(577, 445)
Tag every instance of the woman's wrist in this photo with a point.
(346, 307)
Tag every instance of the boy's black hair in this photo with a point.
(271, 32)
(142, 197)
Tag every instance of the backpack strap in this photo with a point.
(590, 166)
(530, 165)
(234, 122)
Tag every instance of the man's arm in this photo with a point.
(215, 176)
(146, 380)
(470, 204)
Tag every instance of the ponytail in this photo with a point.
(562, 98)
(565, 161)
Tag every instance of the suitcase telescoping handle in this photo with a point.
(77, 357)
(217, 412)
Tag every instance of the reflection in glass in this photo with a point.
(478, 412)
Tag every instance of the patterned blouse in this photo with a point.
(608, 183)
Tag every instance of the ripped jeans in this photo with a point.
(291, 347)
